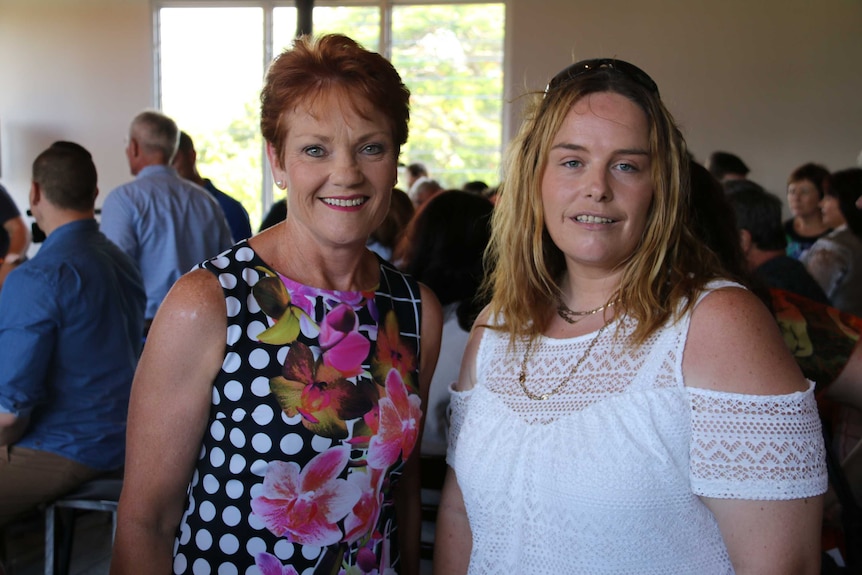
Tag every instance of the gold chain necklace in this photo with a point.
(574, 317)
(522, 376)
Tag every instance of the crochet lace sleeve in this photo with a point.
(458, 403)
(762, 447)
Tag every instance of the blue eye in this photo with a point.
(573, 163)
(628, 167)
(314, 151)
(373, 149)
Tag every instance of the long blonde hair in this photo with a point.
(666, 270)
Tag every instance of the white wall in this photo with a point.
(779, 82)
(71, 69)
(776, 81)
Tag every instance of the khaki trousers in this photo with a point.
(29, 477)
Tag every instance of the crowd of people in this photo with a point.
(623, 355)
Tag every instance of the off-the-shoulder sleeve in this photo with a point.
(458, 403)
(763, 447)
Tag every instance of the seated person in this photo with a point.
(71, 320)
(835, 260)
(805, 188)
(758, 218)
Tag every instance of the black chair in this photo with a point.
(101, 494)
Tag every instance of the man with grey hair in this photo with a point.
(165, 223)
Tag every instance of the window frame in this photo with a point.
(384, 47)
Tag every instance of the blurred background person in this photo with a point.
(761, 233)
(725, 166)
(14, 235)
(185, 163)
(387, 235)
(835, 260)
(805, 189)
(443, 248)
(165, 223)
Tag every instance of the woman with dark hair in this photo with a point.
(805, 189)
(385, 238)
(835, 260)
(623, 407)
(443, 249)
(276, 410)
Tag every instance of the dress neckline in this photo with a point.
(294, 284)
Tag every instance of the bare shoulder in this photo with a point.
(193, 314)
(467, 378)
(734, 345)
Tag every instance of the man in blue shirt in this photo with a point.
(165, 223)
(185, 163)
(71, 320)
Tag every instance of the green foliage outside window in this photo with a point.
(450, 56)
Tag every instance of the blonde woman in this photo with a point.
(621, 407)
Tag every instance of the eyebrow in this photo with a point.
(624, 151)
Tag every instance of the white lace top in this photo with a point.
(604, 477)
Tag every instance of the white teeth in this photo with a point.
(593, 220)
(344, 203)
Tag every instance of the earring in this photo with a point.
(279, 183)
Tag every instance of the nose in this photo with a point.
(598, 185)
(346, 172)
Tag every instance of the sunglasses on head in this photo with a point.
(584, 67)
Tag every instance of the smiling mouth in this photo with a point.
(351, 203)
(593, 220)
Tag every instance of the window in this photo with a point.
(211, 60)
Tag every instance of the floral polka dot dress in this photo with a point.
(314, 412)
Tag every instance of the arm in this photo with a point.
(168, 412)
(847, 387)
(734, 345)
(11, 428)
(408, 495)
(453, 540)
(28, 330)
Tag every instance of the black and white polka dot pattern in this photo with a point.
(247, 430)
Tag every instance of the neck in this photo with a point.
(57, 218)
(583, 292)
(350, 268)
(810, 221)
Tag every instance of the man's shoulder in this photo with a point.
(223, 198)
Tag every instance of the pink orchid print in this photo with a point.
(320, 393)
(399, 419)
(305, 506)
(392, 353)
(270, 565)
(274, 300)
(305, 297)
(344, 348)
(362, 518)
